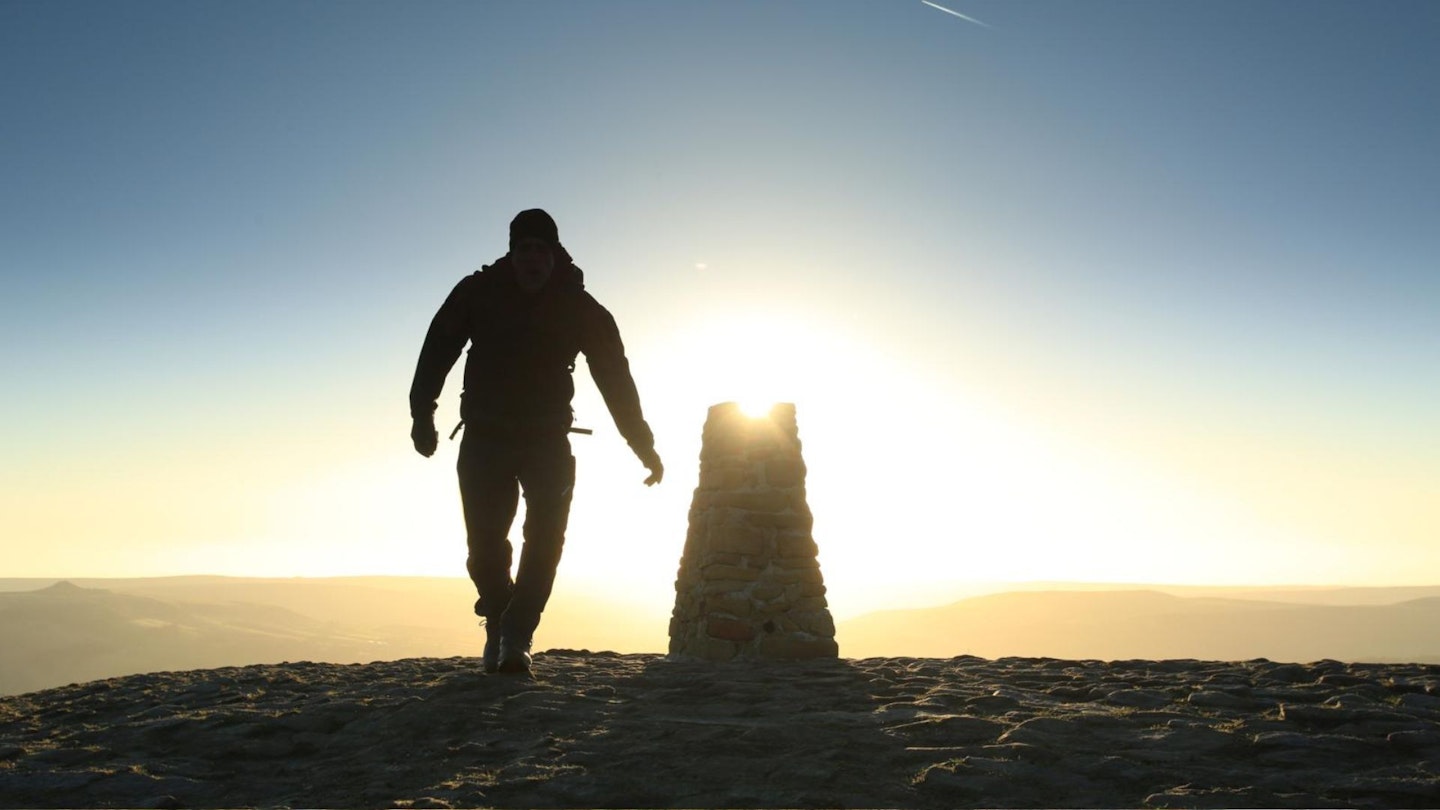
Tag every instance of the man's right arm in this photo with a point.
(443, 343)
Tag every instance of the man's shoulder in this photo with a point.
(480, 281)
(569, 285)
(489, 273)
(589, 306)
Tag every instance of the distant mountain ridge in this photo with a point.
(58, 633)
(53, 634)
(1118, 625)
(65, 633)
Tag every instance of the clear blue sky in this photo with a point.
(1182, 240)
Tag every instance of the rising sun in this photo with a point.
(755, 407)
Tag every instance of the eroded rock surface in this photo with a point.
(605, 730)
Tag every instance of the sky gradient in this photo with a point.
(1107, 291)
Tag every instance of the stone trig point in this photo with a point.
(749, 584)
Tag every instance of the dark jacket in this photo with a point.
(522, 352)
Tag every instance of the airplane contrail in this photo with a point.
(965, 17)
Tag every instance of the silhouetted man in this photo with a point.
(526, 317)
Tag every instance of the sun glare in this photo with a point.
(754, 358)
(756, 408)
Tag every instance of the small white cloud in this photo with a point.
(701, 265)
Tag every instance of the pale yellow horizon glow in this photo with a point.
(917, 484)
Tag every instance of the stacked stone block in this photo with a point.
(749, 584)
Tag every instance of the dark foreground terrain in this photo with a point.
(605, 730)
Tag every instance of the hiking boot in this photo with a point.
(492, 647)
(514, 657)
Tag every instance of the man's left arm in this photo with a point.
(605, 355)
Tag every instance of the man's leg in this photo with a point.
(489, 494)
(547, 474)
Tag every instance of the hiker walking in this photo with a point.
(526, 318)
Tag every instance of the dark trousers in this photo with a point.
(494, 468)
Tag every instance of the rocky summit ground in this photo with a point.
(605, 730)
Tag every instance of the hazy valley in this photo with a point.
(53, 634)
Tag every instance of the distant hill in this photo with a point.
(53, 634)
(1149, 624)
(67, 633)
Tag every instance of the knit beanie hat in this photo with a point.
(534, 223)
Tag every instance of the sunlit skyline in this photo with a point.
(1098, 292)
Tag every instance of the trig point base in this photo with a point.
(749, 584)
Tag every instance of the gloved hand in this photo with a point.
(423, 434)
(651, 460)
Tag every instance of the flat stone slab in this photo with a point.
(607, 730)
